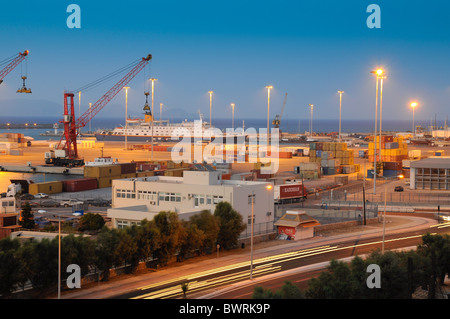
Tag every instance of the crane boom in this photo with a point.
(71, 126)
(277, 120)
(11, 65)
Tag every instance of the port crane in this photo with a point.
(277, 121)
(12, 62)
(66, 152)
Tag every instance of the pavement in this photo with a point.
(127, 283)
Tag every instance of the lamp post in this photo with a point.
(381, 108)
(210, 107)
(378, 73)
(232, 121)
(153, 92)
(340, 111)
(384, 217)
(268, 187)
(413, 105)
(160, 111)
(269, 87)
(126, 116)
(79, 108)
(311, 120)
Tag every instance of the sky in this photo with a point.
(308, 49)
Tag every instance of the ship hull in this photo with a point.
(148, 139)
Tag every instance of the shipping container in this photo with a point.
(46, 187)
(127, 168)
(289, 191)
(80, 184)
(105, 182)
(102, 171)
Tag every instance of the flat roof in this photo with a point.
(432, 163)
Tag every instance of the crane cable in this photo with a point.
(99, 81)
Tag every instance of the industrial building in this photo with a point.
(135, 199)
(430, 173)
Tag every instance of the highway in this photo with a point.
(233, 281)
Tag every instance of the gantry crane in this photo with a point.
(13, 62)
(277, 121)
(68, 152)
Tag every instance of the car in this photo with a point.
(70, 202)
(41, 195)
(98, 202)
(49, 203)
(26, 197)
(398, 189)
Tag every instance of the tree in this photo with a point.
(230, 225)
(105, 251)
(91, 221)
(9, 266)
(169, 230)
(26, 219)
(287, 291)
(206, 222)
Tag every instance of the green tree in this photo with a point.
(230, 225)
(436, 248)
(9, 266)
(45, 265)
(105, 251)
(26, 219)
(91, 222)
(170, 230)
(192, 240)
(287, 291)
(79, 250)
(206, 222)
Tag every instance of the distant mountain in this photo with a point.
(30, 107)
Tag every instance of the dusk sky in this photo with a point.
(309, 49)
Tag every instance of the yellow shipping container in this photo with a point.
(102, 171)
(145, 174)
(47, 188)
(104, 182)
(129, 175)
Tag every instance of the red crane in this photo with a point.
(72, 126)
(12, 64)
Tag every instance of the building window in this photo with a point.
(217, 199)
(250, 197)
(169, 197)
(121, 224)
(125, 193)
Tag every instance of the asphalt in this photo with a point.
(128, 283)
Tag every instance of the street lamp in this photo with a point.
(126, 116)
(385, 195)
(160, 111)
(268, 187)
(153, 90)
(210, 107)
(413, 105)
(379, 74)
(340, 111)
(311, 120)
(269, 87)
(232, 107)
(90, 117)
(79, 108)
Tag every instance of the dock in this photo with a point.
(41, 169)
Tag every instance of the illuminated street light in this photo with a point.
(160, 111)
(340, 111)
(413, 105)
(379, 75)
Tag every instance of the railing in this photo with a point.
(258, 229)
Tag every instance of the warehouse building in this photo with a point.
(135, 199)
(430, 173)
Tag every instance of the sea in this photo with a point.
(287, 125)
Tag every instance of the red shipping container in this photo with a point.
(127, 168)
(291, 191)
(78, 185)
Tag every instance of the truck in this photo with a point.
(290, 193)
(70, 202)
(13, 189)
(59, 158)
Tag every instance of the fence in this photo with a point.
(258, 229)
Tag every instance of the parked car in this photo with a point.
(26, 197)
(41, 195)
(70, 202)
(398, 188)
(98, 202)
(49, 203)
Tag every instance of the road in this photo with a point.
(271, 271)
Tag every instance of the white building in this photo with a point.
(135, 199)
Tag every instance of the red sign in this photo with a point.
(291, 191)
